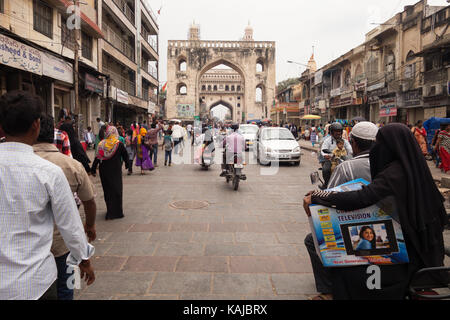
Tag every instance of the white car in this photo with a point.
(250, 133)
(277, 145)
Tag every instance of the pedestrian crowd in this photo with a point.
(44, 180)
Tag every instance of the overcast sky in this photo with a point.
(333, 27)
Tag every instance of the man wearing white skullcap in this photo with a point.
(362, 137)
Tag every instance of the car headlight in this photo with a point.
(296, 150)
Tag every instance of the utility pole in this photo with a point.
(75, 67)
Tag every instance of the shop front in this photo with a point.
(437, 106)
(410, 107)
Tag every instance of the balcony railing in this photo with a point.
(120, 82)
(125, 8)
(152, 42)
(150, 70)
(118, 42)
(435, 76)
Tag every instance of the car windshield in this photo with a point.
(248, 130)
(277, 134)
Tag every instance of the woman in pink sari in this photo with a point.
(443, 147)
(421, 136)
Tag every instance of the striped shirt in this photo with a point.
(34, 193)
(356, 168)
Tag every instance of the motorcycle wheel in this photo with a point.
(228, 179)
(236, 183)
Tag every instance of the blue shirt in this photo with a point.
(364, 245)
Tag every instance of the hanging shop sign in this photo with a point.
(412, 98)
(93, 84)
(122, 96)
(20, 56)
(335, 92)
(318, 76)
(151, 107)
(388, 107)
(361, 85)
(377, 86)
(56, 68)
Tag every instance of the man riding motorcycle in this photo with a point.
(234, 145)
(329, 144)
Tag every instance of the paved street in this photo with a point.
(244, 245)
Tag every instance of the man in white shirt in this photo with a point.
(177, 135)
(34, 194)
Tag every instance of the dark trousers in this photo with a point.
(51, 293)
(176, 142)
(322, 275)
(168, 156)
(64, 293)
(326, 171)
(154, 154)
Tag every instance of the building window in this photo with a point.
(203, 88)
(86, 46)
(42, 18)
(182, 89)
(215, 88)
(227, 88)
(259, 94)
(233, 88)
(209, 88)
(2, 6)
(259, 67)
(238, 88)
(182, 66)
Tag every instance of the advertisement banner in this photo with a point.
(361, 237)
(388, 108)
(57, 68)
(185, 110)
(20, 56)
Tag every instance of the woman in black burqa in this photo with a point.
(399, 171)
(76, 148)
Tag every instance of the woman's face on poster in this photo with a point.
(368, 235)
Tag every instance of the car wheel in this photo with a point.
(297, 164)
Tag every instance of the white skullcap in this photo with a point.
(365, 130)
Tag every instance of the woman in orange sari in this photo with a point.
(443, 147)
(421, 136)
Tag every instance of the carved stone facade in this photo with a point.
(189, 63)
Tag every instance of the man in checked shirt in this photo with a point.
(34, 195)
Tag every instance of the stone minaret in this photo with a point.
(312, 66)
(248, 33)
(194, 32)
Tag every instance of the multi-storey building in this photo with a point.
(118, 48)
(129, 56)
(37, 54)
(399, 74)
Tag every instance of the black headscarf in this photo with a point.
(425, 215)
(76, 148)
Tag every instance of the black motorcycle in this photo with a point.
(234, 172)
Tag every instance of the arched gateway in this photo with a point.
(212, 71)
